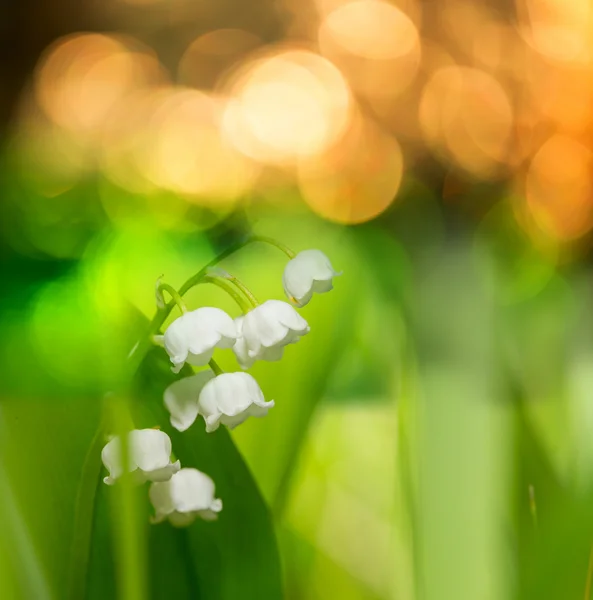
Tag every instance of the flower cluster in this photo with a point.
(261, 333)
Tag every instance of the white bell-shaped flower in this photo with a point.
(266, 330)
(193, 336)
(230, 399)
(181, 398)
(309, 272)
(149, 457)
(187, 495)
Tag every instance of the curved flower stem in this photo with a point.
(158, 340)
(223, 284)
(238, 283)
(268, 240)
(165, 287)
(214, 366)
(143, 346)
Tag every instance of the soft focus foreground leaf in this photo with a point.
(463, 434)
(42, 449)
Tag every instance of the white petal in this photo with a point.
(160, 497)
(191, 490)
(225, 394)
(271, 324)
(273, 354)
(188, 494)
(181, 519)
(210, 327)
(200, 360)
(176, 340)
(158, 475)
(230, 399)
(240, 348)
(255, 410)
(212, 422)
(148, 459)
(242, 353)
(111, 457)
(301, 273)
(193, 336)
(208, 515)
(288, 316)
(261, 328)
(181, 399)
(150, 449)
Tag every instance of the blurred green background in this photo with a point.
(432, 437)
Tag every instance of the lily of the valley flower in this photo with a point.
(187, 495)
(266, 330)
(181, 398)
(230, 399)
(149, 457)
(309, 272)
(192, 337)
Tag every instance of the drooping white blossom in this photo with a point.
(193, 336)
(181, 399)
(309, 272)
(187, 495)
(149, 457)
(230, 399)
(266, 330)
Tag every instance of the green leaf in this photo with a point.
(234, 557)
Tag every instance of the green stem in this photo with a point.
(165, 287)
(157, 340)
(214, 366)
(223, 284)
(238, 283)
(268, 240)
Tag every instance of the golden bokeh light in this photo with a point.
(357, 180)
(190, 156)
(466, 114)
(208, 57)
(325, 116)
(372, 42)
(287, 106)
(411, 8)
(125, 137)
(564, 96)
(83, 76)
(172, 140)
(560, 30)
(370, 29)
(559, 189)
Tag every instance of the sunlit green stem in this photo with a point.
(273, 242)
(239, 284)
(214, 366)
(158, 340)
(165, 287)
(225, 285)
